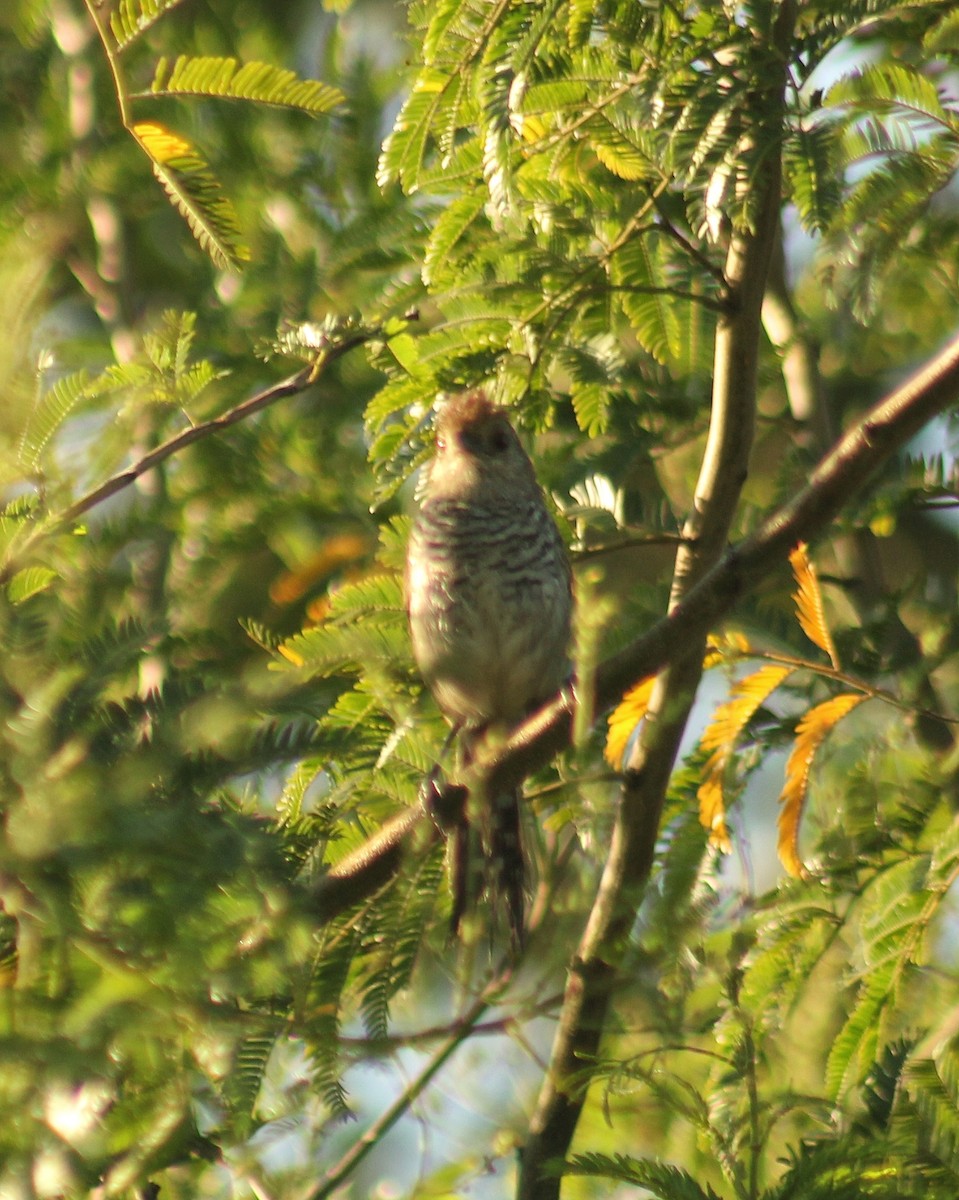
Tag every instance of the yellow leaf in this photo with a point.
(160, 143)
(721, 735)
(883, 525)
(809, 607)
(810, 734)
(291, 655)
(632, 708)
(712, 809)
(532, 129)
(432, 82)
(624, 719)
(339, 550)
(721, 646)
(732, 717)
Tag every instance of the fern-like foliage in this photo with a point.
(193, 188)
(659, 1179)
(256, 81)
(133, 18)
(897, 911)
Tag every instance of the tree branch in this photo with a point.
(295, 384)
(856, 550)
(594, 971)
(843, 472)
(335, 1177)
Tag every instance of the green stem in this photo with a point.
(119, 84)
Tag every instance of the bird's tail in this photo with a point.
(492, 862)
(506, 861)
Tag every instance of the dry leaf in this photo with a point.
(810, 734)
(809, 607)
(722, 733)
(624, 719)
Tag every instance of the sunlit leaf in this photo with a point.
(133, 17)
(809, 606)
(29, 582)
(811, 731)
(195, 192)
(721, 735)
(728, 645)
(624, 719)
(256, 81)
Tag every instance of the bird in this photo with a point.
(490, 601)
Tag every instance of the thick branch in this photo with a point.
(883, 431)
(629, 863)
(856, 550)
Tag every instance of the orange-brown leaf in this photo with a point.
(721, 735)
(810, 734)
(624, 719)
(732, 717)
(334, 553)
(809, 606)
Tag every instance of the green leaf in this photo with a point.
(628, 153)
(811, 175)
(242, 1086)
(932, 1085)
(29, 582)
(644, 297)
(591, 406)
(660, 1179)
(257, 81)
(434, 96)
(897, 86)
(449, 229)
(134, 17)
(896, 911)
(580, 22)
(51, 410)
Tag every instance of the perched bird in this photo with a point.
(490, 600)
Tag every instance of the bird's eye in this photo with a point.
(499, 439)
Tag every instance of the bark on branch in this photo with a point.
(723, 471)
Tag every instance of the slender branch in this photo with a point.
(498, 1026)
(335, 1177)
(119, 84)
(856, 551)
(627, 543)
(300, 382)
(853, 681)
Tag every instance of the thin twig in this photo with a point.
(390, 1043)
(629, 862)
(629, 543)
(856, 550)
(295, 384)
(853, 681)
(385, 1122)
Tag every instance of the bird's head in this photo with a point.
(478, 452)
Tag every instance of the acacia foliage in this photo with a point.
(553, 197)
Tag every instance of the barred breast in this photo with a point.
(490, 603)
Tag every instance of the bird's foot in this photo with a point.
(444, 802)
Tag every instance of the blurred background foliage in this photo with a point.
(206, 689)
